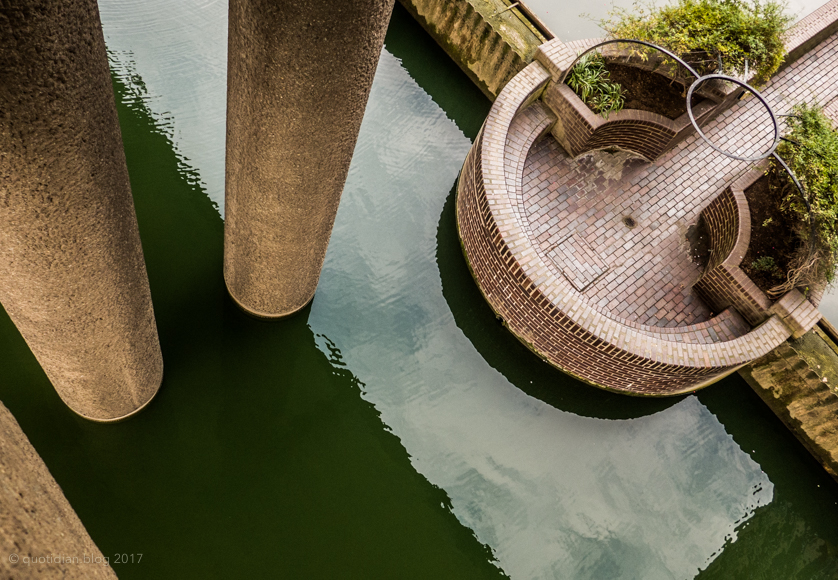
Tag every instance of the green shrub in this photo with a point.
(590, 80)
(706, 31)
(764, 264)
(813, 157)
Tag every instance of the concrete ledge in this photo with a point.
(790, 380)
(489, 42)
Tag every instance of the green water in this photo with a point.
(394, 429)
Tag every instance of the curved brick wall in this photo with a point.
(543, 310)
(723, 283)
(579, 129)
(649, 135)
(540, 325)
(728, 221)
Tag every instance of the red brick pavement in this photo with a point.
(649, 272)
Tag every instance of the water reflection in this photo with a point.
(259, 458)
(502, 351)
(795, 536)
(390, 430)
(180, 48)
(553, 493)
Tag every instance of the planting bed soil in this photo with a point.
(647, 91)
(776, 239)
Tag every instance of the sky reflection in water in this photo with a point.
(573, 483)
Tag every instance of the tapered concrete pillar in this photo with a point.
(41, 537)
(298, 77)
(72, 275)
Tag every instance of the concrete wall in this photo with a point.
(490, 43)
(798, 382)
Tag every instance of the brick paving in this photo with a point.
(649, 274)
(579, 263)
(574, 256)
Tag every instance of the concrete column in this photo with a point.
(298, 77)
(72, 274)
(41, 537)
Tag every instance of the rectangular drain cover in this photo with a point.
(577, 261)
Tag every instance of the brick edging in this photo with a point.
(647, 134)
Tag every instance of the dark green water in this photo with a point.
(393, 429)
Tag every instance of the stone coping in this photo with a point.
(659, 347)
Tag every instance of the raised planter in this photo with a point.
(579, 129)
(723, 284)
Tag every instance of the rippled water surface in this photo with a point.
(393, 429)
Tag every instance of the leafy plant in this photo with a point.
(764, 264)
(589, 79)
(811, 151)
(710, 34)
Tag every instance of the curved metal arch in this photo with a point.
(796, 183)
(812, 224)
(698, 80)
(751, 90)
(668, 53)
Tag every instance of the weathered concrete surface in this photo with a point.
(40, 534)
(298, 78)
(490, 42)
(72, 275)
(799, 381)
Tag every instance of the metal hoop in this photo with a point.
(794, 179)
(812, 224)
(751, 90)
(621, 40)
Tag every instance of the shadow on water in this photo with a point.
(436, 72)
(504, 352)
(794, 536)
(259, 458)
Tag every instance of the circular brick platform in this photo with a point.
(610, 304)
